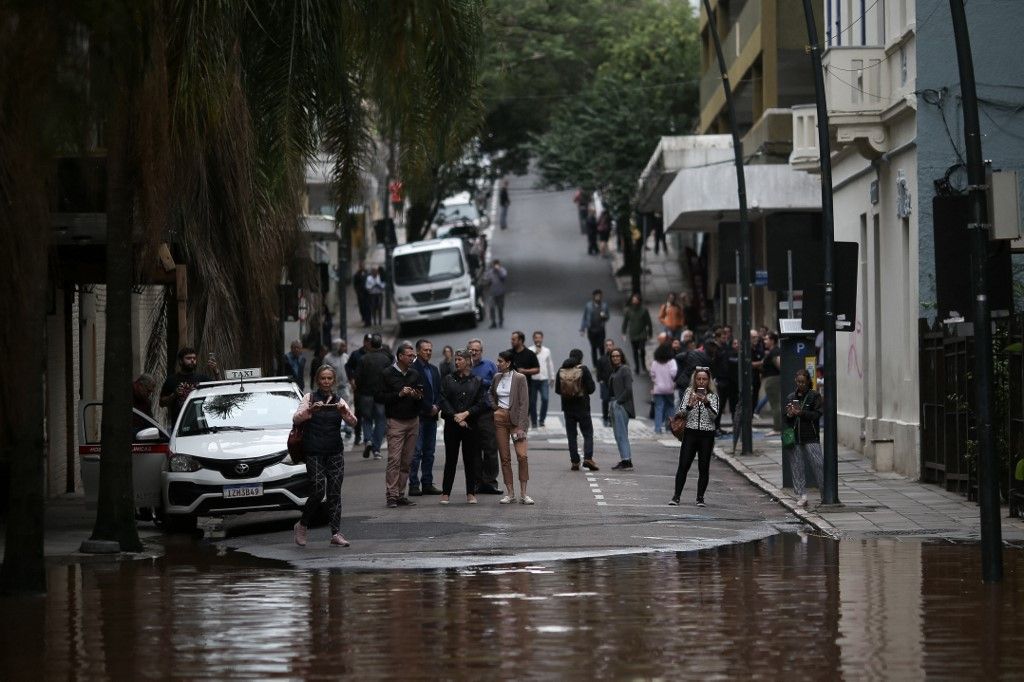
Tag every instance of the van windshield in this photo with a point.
(428, 266)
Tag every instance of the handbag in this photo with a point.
(295, 449)
(677, 425)
(789, 433)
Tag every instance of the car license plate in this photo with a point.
(249, 490)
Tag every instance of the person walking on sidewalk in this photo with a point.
(503, 203)
(463, 403)
(368, 384)
(803, 410)
(670, 315)
(294, 365)
(663, 389)
(620, 385)
(401, 392)
(321, 413)
(510, 398)
(495, 279)
(485, 370)
(541, 382)
(362, 296)
(422, 468)
(770, 370)
(637, 327)
(595, 317)
(700, 403)
(375, 289)
(576, 384)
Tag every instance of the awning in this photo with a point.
(672, 154)
(699, 198)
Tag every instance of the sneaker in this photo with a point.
(533, 425)
(542, 424)
(392, 504)
(591, 464)
(470, 499)
(414, 490)
(405, 502)
(802, 502)
(508, 499)
(623, 464)
(444, 500)
(366, 451)
(700, 502)
(526, 499)
(339, 540)
(300, 534)
(575, 466)
(376, 455)
(431, 490)
(674, 502)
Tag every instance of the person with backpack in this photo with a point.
(575, 384)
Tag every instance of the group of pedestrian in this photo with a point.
(596, 227)
(370, 285)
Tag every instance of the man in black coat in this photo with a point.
(575, 384)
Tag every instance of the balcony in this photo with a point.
(746, 28)
(859, 92)
(805, 155)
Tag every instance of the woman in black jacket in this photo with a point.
(803, 410)
(463, 399)
(321, 413)
(700, 404)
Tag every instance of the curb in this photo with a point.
(814, 520)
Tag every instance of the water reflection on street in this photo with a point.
(793, 606)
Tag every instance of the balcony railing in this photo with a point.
(856, 81)
(805, 155)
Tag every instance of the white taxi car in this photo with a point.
(228, 452)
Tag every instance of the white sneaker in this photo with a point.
(508, 499)
(526, 499)
(802, 502)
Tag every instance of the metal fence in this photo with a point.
(948, 451)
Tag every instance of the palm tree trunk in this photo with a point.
(115, 513)
(27, 50)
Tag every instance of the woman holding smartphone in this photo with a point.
(511, 401)
(803, 410)
(700, 403)
(321, 412)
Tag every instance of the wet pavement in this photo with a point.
(790, 606)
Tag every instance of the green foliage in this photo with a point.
(645, 87)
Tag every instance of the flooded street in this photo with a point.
(790, 605)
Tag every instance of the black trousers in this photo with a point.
(596, 338)
(728, 392)
(586, 425)
(327, 473)
(639, 355)
(468, 440)
(699, 443)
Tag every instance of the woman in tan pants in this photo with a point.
(511, 400)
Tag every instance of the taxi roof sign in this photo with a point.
(242, 374)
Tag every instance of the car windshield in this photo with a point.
(251, 411)
(447, 214)
(428, 266)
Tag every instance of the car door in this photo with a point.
(148, 456)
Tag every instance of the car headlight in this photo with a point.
(183, 464)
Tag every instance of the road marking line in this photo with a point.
(602, 504)
(598, 497)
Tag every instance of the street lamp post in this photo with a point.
(978, 228)
(830, 492)
(746, 400)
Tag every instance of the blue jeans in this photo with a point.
(426, 444)
(538, 387)
(620, 427)
(663, 404)
(373, 420)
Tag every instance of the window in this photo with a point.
(238, 412)
(428, 266)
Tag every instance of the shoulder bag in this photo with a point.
(789, 433)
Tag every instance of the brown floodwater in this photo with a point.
(792, 606)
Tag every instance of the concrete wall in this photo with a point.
(995, 29)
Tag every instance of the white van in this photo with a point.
(432, 281)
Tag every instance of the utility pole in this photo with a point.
(746, 400)
(830, 494)
(978, 229)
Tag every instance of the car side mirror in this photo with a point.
(148, 434)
